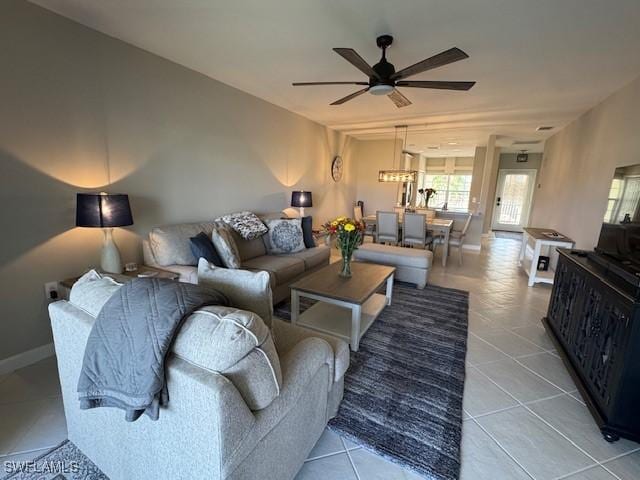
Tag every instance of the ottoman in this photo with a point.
(412, 265)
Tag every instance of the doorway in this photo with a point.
(514, 193)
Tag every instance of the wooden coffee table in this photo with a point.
(346, 307)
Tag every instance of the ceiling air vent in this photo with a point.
(526, 142)
(544, 128)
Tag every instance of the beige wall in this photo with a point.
(370, 156)
(183, 146)
(579, 163)
(492, 178)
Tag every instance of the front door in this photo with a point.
(513, 199)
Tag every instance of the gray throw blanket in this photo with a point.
(124, 358)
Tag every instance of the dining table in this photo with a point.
(437, 226)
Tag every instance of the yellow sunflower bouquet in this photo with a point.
(348, 233)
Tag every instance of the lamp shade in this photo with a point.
(103, 210)
(301, 199)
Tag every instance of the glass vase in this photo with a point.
(345, 272)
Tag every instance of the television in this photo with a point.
(620, 232)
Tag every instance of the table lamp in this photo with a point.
(104, 210)
(301, 199)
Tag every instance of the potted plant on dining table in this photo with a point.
(426, 193)
(348, 233)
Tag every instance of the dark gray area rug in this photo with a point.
(404, 387)
(64, 462)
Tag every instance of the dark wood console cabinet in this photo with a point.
(594, 319)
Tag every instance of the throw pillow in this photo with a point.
(246, 290)
(247, 224)
(307, 232)
(225, 245)
(91, 291)
(202, 247)
(285, 236)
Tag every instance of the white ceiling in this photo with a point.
(537, 62)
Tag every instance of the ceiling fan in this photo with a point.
(383, 78)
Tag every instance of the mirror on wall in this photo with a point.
(623, 201)
(406, 194)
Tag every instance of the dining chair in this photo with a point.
(430, 215)
(386, 227)
(456, 238)
(414, 230)
(358, 215)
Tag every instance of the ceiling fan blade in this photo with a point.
(350, 97)
(444, 58)
(351, 56)
(305, 84)
(399, 99)
(435, 84)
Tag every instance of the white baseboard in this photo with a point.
(27, 358)
(475, 248)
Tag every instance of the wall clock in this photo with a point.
(336, 168)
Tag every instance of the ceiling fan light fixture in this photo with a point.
(381, 89)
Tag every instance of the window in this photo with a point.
(624, 197)
(612, 202)
(450, 189)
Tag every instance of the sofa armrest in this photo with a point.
(302, 369)
(287, 336)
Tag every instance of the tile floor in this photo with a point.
(523, 416)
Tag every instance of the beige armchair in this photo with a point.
(226, 420)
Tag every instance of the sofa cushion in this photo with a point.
(390, 255)
(246, 224)
(285, 236)
(91, 291)
(170, 243)
(249, 248)
(245, 289)
(283, 268)
(313, 257)
(222, 238)
(237, 344)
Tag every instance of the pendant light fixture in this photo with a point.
(399, 175)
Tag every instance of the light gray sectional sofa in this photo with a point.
(247, 400)
(168, 247)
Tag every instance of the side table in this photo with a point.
(541, 238)
(140, 272)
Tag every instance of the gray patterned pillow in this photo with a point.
(247, 224)
(225, 245)
(285, 236)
